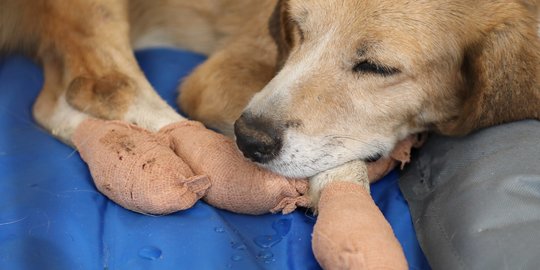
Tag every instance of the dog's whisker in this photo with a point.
(378, 147)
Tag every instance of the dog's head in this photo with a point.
(357, 76)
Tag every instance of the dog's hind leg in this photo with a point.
(219, 89)
(90, 70)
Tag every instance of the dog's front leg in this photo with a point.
(90, 70)
(354, 171)
(219, 89)
(351, 232)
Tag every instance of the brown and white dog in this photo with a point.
(341, 80)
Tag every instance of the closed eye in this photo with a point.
(372, 68)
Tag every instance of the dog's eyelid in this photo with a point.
(371, 67)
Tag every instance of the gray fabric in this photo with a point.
(475, 201)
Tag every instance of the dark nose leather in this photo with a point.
(258, 138)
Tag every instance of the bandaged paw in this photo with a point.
(137, 169)
(238, 185)
(351, 232)
(168, 171)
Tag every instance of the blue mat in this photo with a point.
(52, 217)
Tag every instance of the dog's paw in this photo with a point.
(238, 185)
(137, 169)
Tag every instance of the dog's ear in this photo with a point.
(280, 26)
(502, 71)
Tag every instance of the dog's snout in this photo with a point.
(259, 139)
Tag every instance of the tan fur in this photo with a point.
(463, 64)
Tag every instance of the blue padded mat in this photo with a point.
(52, 217)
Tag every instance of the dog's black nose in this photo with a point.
(258, 138)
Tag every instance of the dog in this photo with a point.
(304, 85)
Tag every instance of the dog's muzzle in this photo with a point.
(259, 139)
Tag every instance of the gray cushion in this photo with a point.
(475, 201)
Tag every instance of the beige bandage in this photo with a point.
(352, 233)
(137, 169)
(238, 185)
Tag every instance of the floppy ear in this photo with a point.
(502, 71)
(280, 27)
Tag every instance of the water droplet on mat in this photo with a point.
(150, 253)
(267, 241)
(238, 246)
(236, 258)
(282, 226)
(265, 255)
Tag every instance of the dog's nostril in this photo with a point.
(257, 138)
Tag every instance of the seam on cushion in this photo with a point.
(441, 229)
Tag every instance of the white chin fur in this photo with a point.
(305, 156)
